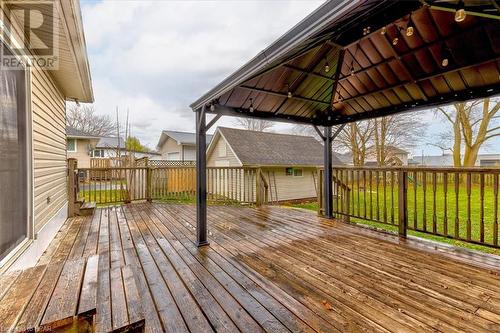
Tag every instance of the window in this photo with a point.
(71, 145)
(174, 156)
(15, 169)
(293, 172)
(223, 163)
(222, 149)
(98, 153)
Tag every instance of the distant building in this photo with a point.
(395, 157)
(84, 147)
(178, 146)
(446, 160)
(288, 162)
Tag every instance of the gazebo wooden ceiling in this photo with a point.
(393, 56)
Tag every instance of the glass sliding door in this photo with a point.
(14, 175)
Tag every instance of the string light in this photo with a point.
(445, 57)
(251, 105)
(327, 66)
(383, 31)
(212, 107)
(409, 27)
(289, 93)
(460, 14)
(395, 41)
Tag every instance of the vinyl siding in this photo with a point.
(49, 147)
(290, 187)
(214, 158)
(82, 155)
(48, 143)
(170, 146)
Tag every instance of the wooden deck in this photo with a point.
(276, 270)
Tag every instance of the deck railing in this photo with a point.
(457, 203)
(126, 184)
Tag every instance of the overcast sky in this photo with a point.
(156, 57)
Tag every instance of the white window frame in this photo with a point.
(97, 149)
(176, 154)
(76, 143)
(222, 163)
(222, 149)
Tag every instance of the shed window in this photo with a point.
(293, 172)
(71, 145)
(222, 149)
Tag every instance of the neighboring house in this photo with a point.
(84, 147)
(395, 157)
(446, 160)
(80, 146)
(288, 162)
(33, 167)
(178, 146)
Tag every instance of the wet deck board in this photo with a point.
(271, 269)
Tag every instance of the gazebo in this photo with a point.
(358, 59)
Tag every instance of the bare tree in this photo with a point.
(396, 131)
(84, 118)
(254, 124)
(355, 137)
(472, 125)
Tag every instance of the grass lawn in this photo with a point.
(104, 197)
(365, 205)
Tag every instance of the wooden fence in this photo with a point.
(455, 203)
(126, 184)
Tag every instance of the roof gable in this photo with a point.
(264, 148)
(182, 138)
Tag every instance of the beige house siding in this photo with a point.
(49, 148)
(291, 187)
(170, 146)
(82, 154)
(214, 159)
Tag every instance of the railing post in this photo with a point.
(403, 202)
(72, 186)
(148, 183)
(258, 187)
(347, 202)
(320, 191)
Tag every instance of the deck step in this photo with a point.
(87, 208)
(49, 297)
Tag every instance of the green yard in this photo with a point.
(364, 204)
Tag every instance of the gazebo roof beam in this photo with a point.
(242, 112)
(463, 95)
(403, 84)
(285, 95)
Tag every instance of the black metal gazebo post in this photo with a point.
(201, 178)
(327, 178)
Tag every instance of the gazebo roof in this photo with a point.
(382, 69)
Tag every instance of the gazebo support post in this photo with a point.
(328, 179)
(201, 179)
